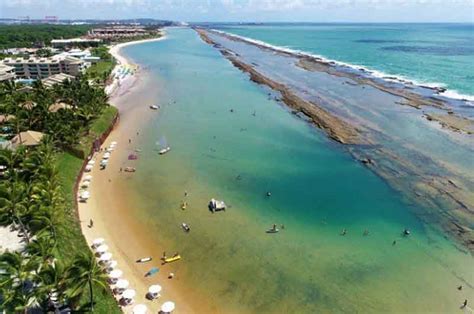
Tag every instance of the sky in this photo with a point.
(247, 10)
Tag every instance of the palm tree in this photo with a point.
(13, 207)
(82, 276)
(18, 282)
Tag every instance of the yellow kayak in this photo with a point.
(172, 259)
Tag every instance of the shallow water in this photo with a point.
(317, 190)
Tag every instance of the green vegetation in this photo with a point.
(12, 36)
(36, 198)
(100, 71)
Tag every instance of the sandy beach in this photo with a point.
(111, 210)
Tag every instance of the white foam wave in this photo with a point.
(439, 88)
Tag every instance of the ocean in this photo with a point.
(430, 54)
(232, 139)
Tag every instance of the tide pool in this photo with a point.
(231, 140)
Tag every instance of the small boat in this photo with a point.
(273, 229)
(152, 271)
(171, 259)
(154, 107)
(216, 205)
(164, 150)
(185, 227)
(143, 260)
(129, 169)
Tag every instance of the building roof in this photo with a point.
(6, 72)
(36, 60)
(27, 138)
(6, 117)
(58, 106)
(56, 79)
(75, 40)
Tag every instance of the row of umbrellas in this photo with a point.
(121, 286)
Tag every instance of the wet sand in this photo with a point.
(112, 211)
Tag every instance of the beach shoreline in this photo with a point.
(110, 209)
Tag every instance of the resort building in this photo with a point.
(84, 55)
(6, 73)
(38, 68)
(56, 79)
(75, 42)
(118, 32)
(27, 138)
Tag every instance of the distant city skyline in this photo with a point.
(247, 10)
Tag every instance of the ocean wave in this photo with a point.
(438, 88)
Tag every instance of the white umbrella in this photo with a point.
(113, 143)
(88, 177)
(110, 149)
(102, 248)
(168, 307)
(112, 265)
(105, 257)
(129, 294)
(98, 241)
(91, 162)
(88, 168)
(139, 309)
(116, 273)
(84, 195)
(85, 184)
(154, 289)
(121, 284)
(106, 156)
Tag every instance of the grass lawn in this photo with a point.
(99, 126)
(71, 240)
(97, 70)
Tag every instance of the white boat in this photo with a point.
(216, 205)
(154, 107)
(185, 227)
(164, 150)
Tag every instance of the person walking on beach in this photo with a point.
(91, 223)
(464, 304)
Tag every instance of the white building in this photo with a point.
(6, 72)
(39, 68)
(75, 42)
(84, 55)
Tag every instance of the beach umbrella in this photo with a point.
(115, 274)
(106, 156)
(84, 195)
(154, 289)
(102, 248)
(85, 184)
(113, 143)
(105, 257)
(88, 168)
(91, 162)
(110, 149)
(88, 177)
(129, 294)
(112, 264)
(168, 307)
(121, 284)
(139, 309)
(98, 241)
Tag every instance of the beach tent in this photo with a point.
(105, 257)
(115, 274)
(139, 309)
(154, 289)
(168, 307)
(129, 294)
(122, 284)
(102, 248)
(97, 242)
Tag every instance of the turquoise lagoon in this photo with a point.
(232, 140)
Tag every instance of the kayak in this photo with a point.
(144, 260)
(152, 271)
(273, 230)
(172, 259)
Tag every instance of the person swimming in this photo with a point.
(344, 232)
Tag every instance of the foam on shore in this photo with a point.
(438, 88)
